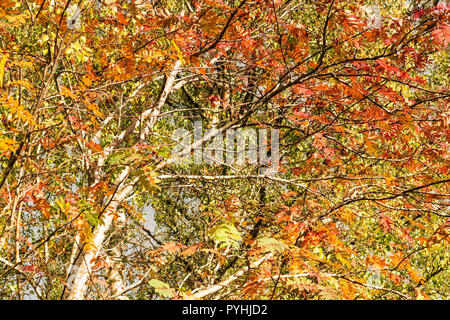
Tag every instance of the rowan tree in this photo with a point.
(94, 206)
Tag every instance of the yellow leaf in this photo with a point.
(23, 83)
(17, 20)
(94, 108)
(23, 64)
(180, 55)
(389, 180)
(2, 68)
(7, 144)
(347, 215)
(370, 146)
(343, 260)
(18, 111)
(67, 93)
(86, 81)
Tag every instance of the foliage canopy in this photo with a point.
(93, 207)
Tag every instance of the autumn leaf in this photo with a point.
(171, 247)
(2, 68)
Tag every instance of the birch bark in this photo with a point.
(81, 269)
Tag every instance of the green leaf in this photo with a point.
(117, 158)
(162, 288)
(225, 234)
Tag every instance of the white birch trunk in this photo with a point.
(82, 267)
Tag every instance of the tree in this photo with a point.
(92, 91)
